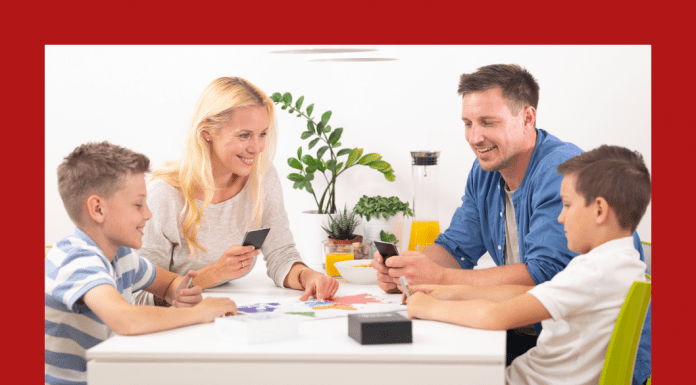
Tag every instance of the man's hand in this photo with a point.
(384, 280)
(187, 297)
(418, 268)
(319, 285)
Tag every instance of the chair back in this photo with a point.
(623, 346)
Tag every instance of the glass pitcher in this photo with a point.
(425, 226)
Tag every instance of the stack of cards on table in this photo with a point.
(255, 328)
(380, 328)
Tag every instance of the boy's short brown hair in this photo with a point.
(616, 174)
(96, 168)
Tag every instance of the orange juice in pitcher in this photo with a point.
(425, 226)
(423, 232)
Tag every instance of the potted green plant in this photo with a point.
(328, 140)
(384, 217)
(340, 227)
(327, 164)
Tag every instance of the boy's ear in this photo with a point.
(96, 209)
(602, 213)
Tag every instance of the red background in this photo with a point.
(27, 28)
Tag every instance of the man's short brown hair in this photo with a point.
(96, 168)
(519, 87)
(616, 174)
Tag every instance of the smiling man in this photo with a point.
(510, 205)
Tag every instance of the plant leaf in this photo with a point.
(294, 163)
(343, 152)
(295, 177)
(326, 116)
(354, 155)
(310, 126)
(308, 187)
(313, 143)
(276, 97)
(370, 158)
(311, 169)
(331, 164)
(287, 98)
(321, 151)
(335, 136)
(379, 165)
(310, 108)
(389, 176)
(298, 103)
(299, 152)
(308, 160)
(306, 134)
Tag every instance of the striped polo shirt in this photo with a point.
(74, 266)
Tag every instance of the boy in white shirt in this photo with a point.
(605, 193)
(91, 276)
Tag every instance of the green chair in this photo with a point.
(623, 346)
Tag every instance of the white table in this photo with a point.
(323, 352)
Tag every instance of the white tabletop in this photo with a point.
(322, 343)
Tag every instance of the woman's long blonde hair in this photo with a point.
(193, 171)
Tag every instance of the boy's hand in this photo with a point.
(187, 297)
(420, 304)
(441, 292)
(320, 285)
(214, 307)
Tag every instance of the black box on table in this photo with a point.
(380, 328)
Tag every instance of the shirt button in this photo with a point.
(462, 258)
(501, 213)
(500, 247)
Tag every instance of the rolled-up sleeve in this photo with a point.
(464, 236)
(545, 245)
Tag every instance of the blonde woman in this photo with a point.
(224, 185)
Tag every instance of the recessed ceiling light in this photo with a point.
(348, 59)
(323, 50)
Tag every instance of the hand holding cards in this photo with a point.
(255, 237)
(386, 249)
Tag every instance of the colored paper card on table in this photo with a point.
(256, 328)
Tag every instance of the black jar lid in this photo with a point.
(425, 158)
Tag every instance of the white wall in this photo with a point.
(142, 97)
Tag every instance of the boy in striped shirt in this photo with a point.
(90, 277)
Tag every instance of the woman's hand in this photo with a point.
(234, 262)
(319, 285)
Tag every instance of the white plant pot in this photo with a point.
(312, 236)
(393, 225)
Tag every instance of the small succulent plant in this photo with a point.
(342, 224)
(385, 236)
